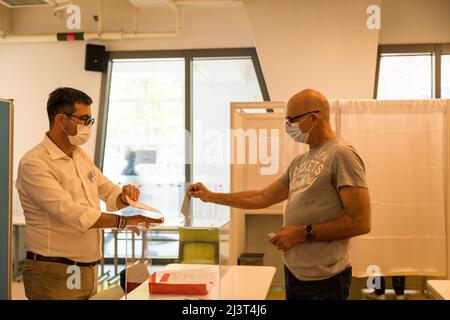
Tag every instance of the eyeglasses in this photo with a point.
(87, 121)
(289, 120)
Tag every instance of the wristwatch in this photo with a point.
(309, 233)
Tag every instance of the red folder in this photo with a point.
(163, 287)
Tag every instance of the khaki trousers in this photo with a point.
(57, 281)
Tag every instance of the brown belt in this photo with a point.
(38, 257)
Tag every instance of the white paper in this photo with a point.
(188, 276)
(140, 205)
(185, 208)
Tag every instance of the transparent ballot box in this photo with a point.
(182, 258)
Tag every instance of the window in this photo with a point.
(217, 82)
(155, 100)
(145, 122)
(406, 76)
(445, 87)
(144, 142)
(412, 72)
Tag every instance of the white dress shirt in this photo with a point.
(60, 197)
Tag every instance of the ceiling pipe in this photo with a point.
(99, 35)
(100, 17)
(135, 13)
(81, 36)
(61, 7)
(58, 5)
(176, 8)
(5, 27)
(207, 2)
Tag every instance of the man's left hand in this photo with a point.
(288, 237)
(131, 191)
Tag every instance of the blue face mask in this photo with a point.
(294, 131)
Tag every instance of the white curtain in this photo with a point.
(404, 147)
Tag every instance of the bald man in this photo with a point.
(328, 203)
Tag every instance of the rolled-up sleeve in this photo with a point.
(107, 191)
(37, 180)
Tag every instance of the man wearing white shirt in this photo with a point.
(60, 190)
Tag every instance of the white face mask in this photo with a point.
(296, 133)
(82, 136)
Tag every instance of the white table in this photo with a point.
(439, 289)
(237, 283)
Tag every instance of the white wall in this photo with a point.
(32, 72)
(301, 43)
(4, 18)
(415, 21)
(320, 44)
(29, 73)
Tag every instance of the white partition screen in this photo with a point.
(404, 147)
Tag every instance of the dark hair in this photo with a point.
(62, 100)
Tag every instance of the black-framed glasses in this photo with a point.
(87, 121)
(289, 120)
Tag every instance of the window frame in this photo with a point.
(436, 49)
(189, 55)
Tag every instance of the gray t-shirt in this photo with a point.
(314, 179)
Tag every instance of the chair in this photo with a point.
(199, 245)
(114, 293)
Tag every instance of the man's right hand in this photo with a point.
(276, 192)
(198, 190)
(135, 220)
